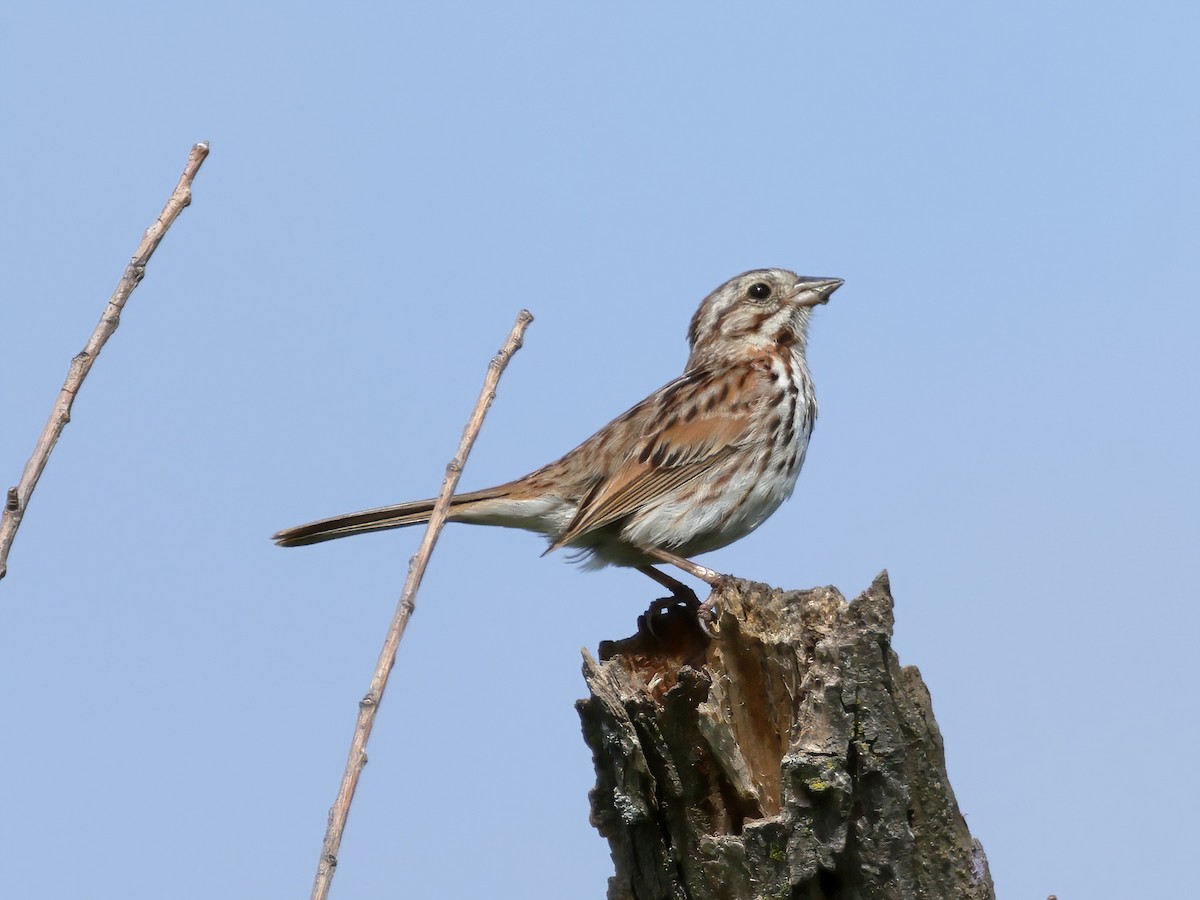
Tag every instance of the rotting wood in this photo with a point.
(791, 756)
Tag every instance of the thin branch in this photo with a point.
(369, 704)
(17, 500)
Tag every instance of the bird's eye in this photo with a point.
(760, 291)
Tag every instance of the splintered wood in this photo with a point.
(789, 756)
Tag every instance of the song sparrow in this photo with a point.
(698, 464)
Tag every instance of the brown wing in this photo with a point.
(696, 430)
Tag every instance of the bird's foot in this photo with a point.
(708, 612)
(683, 600)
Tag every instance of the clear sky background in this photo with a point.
(1007, 385)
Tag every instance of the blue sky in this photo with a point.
(1007, 387)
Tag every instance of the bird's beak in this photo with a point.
(814, 291)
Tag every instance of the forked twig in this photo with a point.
(17, 500)
(369, 704)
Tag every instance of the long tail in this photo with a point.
(412, 513)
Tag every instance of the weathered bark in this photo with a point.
(789, 757)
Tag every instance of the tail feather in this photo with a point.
(412, 513)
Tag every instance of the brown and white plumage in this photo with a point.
(698, 464)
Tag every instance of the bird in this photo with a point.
(700, 463)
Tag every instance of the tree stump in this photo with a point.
(789, 756)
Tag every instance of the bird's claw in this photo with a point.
(683, 599)
(707, 614)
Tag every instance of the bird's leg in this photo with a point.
(704, 574)
(681, 594)
(705, 611)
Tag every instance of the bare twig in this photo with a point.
(369, 704)
(17, 500)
